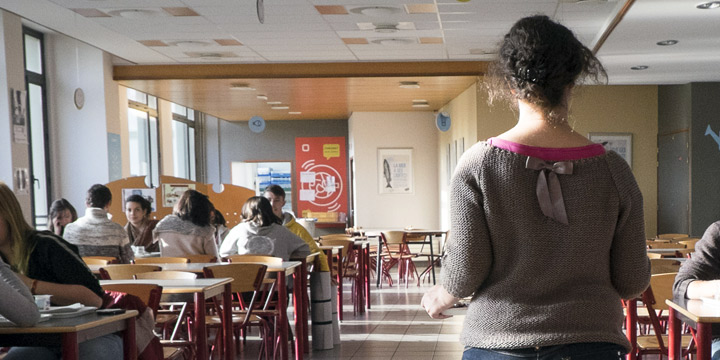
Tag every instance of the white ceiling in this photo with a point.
(302, 31)
(295, 31)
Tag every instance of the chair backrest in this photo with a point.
(660, 289)
(125, 271)
(663, 245)
(150, 294)
(162, 260)
(336, 237)
(689, 242)
(672, 236)
(246, 277)
(249, 258)
(393, 237)
(93, 261)
(654, 256)
(167, 275)
(663, 266)
(201, 258)
(345, 243)
(110, 259)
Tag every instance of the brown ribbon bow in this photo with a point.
(550, 197)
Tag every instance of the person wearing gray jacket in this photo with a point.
(261, 232)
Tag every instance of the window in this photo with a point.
(183, 128)
(37, 121)
(143, 136)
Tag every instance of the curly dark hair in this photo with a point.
(538, 59)
(195, 207)
(98, 196)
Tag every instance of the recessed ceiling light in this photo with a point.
(241, 87)
(280, 107)
(376, 10)
(136, 13)
(667, 42)
(409, 85)
(262, 97)
(639, 67)
(189, 43)
(274, 102)
(420, 105)
(294, 112)
(709, 5)
(394, 41)
(419, 101)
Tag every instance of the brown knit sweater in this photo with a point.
(535, 281)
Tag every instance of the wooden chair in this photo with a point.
(671, 236)
(109, 259)
(689, 243)
(162, 260)
(663, 245)
(397, 253)
(201, 258)
(125, 271)
(654, 297)
(150, 294)
(348, 268)
(654, 256)
(247, 278)
(171, 314)
(663, 266)
(248, 258)
(92, 261)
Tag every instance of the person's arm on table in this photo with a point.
(16, 302)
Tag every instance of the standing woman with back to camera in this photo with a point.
(547, 229)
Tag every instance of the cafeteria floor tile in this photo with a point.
(396, 327)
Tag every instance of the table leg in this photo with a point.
(282, 315)
(630, 327)
(300, 310)
(378, 263)
(340, 285)
(674, 335)
(360, 286)
(432, 259)
(228, 326)
(704, 341)
(200, 329)
(70, 347)
(129, 344)
(366, 276)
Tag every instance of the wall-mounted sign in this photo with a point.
(321, 178)
(442, 121)
(257, 124)
(19, 116)
(172, 192)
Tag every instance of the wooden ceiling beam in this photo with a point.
(300, 70)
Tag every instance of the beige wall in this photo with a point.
(625, 109)
(165, 135)
(372, 130)
(463, 128)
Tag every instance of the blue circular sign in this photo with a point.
(257, 124)
(442, 120)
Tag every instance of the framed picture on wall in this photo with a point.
(395, 171)
(621, 143)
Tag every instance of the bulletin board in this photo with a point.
(321, 173)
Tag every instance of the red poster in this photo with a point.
(321, 178)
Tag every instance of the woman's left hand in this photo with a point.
(437, 300)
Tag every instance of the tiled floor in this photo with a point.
(396, 327)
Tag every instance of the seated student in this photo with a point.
(261, 232)
(48, 265)
(95, 234)
(16, 302)
(140, 227)
(61, 213)
(187, 231)
(276, 195)
(699, 276)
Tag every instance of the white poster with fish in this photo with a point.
(395, 171)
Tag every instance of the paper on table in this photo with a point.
(62, 309)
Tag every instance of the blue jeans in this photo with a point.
(578, 351)
(108, 347)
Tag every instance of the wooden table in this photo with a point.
(196, 291)
(68, 333)
(697, 314)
